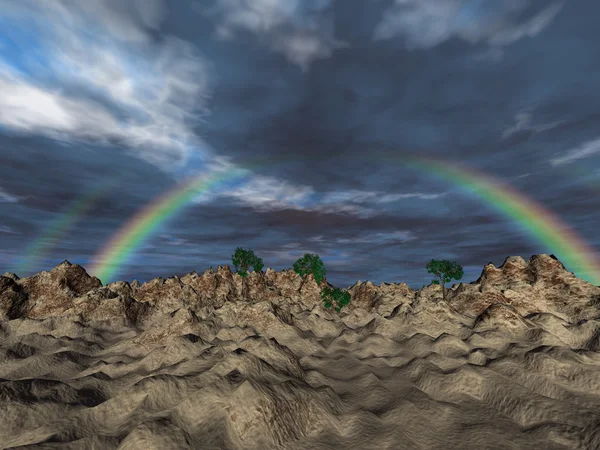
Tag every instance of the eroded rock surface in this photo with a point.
(509, 361)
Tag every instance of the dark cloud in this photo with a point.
(322, 104)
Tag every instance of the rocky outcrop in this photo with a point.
(47, 294)
(540, 284)
(214, 360)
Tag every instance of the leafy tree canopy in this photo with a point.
(243, 259)
(444, 270)
(335, 297)
(310, 263)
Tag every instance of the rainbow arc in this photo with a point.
(537, 221)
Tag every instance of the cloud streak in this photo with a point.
(6, 197)
(428, 23)
(523, 123)
(7, 230)
(587, 149)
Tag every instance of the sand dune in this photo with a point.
(510, 361)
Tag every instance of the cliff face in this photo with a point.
(191, 363)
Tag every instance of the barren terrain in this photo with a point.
(510, 361)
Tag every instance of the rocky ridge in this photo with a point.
(190, 363)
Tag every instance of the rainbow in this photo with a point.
(40, 247)
(133, 234)
(540, 223)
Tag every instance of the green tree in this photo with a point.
(310, 263)
(335, 297)
(242, 259)
(445, 271)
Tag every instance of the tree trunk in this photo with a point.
(443, 292)
(443, 289)
(245, 270)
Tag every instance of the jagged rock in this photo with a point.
(105, 305)
(210, 366)
(52, 292)
(500, 315)
(394, 297)
(14, 276)
(363, 295)
(12, 298)
(384, 298)
(513, 273)
(205, 286)
(122, 288)
(542, 283)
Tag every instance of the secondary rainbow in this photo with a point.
(540, 223)
(132, 235)
(52, 234)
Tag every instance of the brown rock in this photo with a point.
(122, 288)
(500, 315)
(14, 276)
(193, 362)
(541, 284)
(13, 299)
(52, 292)
(363, 295)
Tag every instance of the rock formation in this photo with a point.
(508, 361)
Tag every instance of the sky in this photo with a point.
(292, 122)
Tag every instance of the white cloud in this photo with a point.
(6, 197)
(589, 148)
(270, 194)
(523, 123)
(273, 194)
(8, 230)
(427, 23)
(386, 198)
(103, 79)
(302, 30)
(374, 197)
